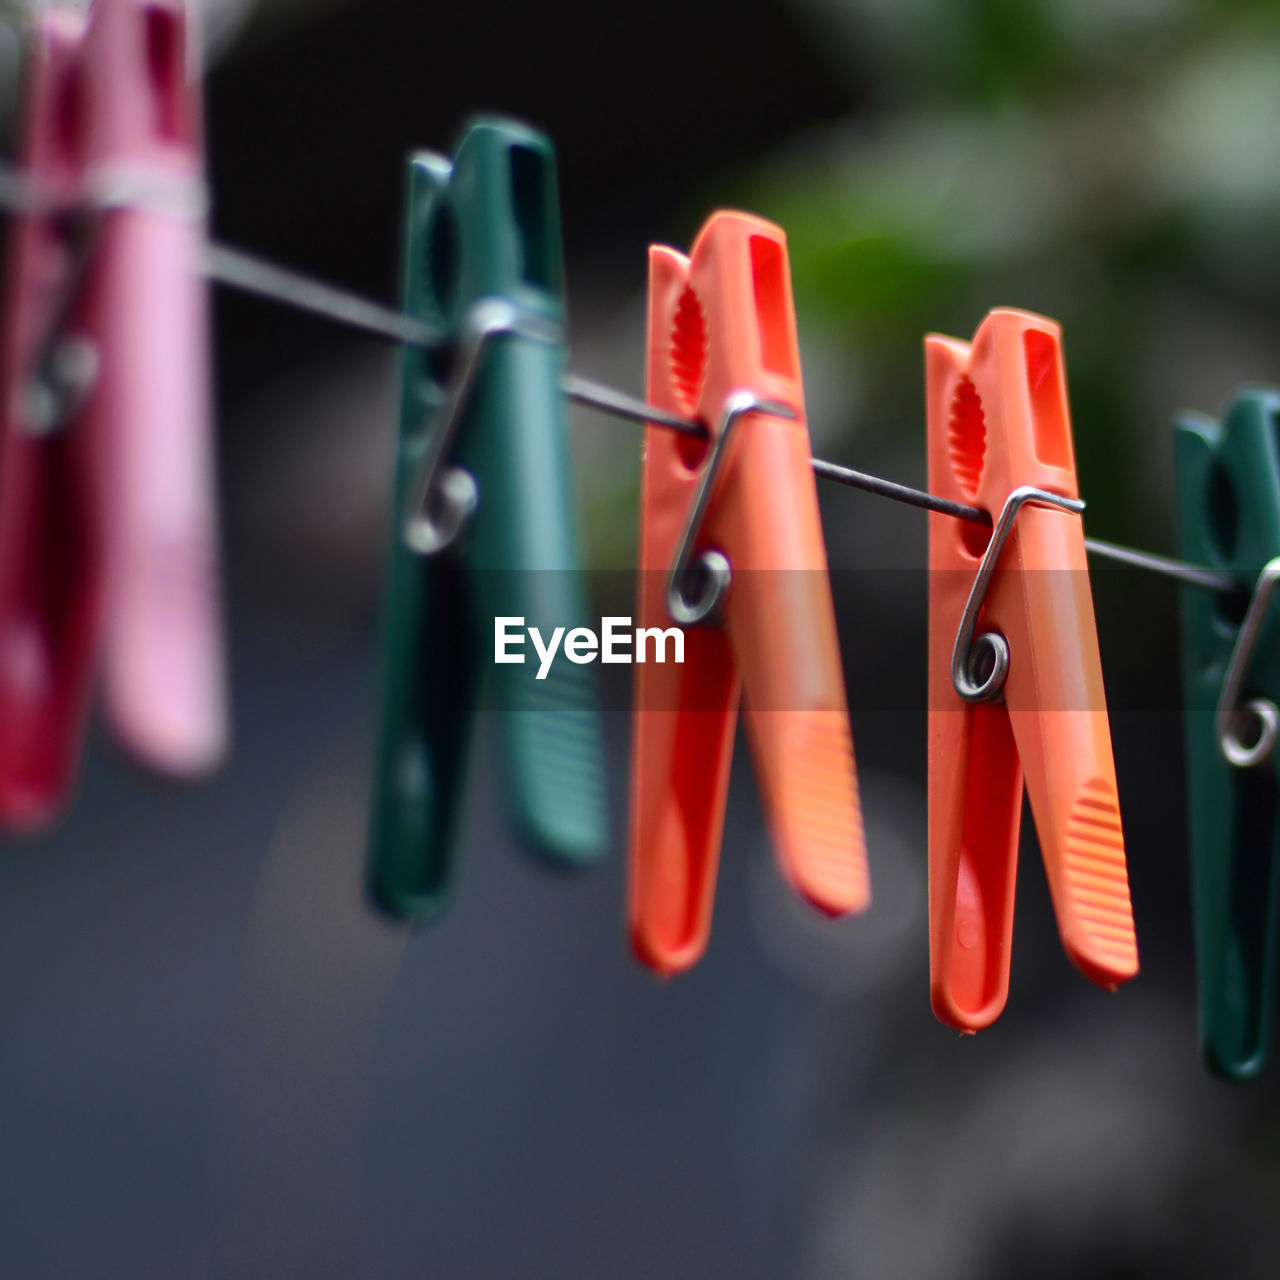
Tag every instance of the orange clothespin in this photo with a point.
(730, 536)
(1015, 680)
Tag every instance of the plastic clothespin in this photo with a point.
(1228, 478)
(730, 537)
(483, 527)
(1015, 679)
(108, 545)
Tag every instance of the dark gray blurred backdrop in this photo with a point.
(217, 1063)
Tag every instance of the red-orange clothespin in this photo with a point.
(730, 536)
(107, 527)
(1015, 680)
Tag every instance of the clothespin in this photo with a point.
(108, 545)
(483, 526)
(731, 552)
(1228, 477)
(1015, 679)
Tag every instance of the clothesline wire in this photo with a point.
(236, 269)
(240, 270)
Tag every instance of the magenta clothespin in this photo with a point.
(108, 544)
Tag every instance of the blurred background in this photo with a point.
(215, 1061)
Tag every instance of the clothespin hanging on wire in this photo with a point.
(1228, 477)
(731, 552)
(483, 527)
(1015, 680)
(108, 544)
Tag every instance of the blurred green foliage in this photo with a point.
(1111, 163)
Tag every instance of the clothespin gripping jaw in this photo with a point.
(980, 663)
(699, 580)
(443, 497)
(44, 272)
(123, 126)
(1231, 720)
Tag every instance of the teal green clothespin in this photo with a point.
(1229, 518)
(483, 528)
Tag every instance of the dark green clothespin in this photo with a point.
(483, 527)
(1229, 518)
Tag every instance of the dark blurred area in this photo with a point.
(217, 1062)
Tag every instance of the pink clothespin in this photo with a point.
(108, 544)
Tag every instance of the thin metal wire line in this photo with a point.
(621, 405)
(898, 492)
(250, 274)
(1193, 574)
(1181, 569)
(236, 269)
(240, 270)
